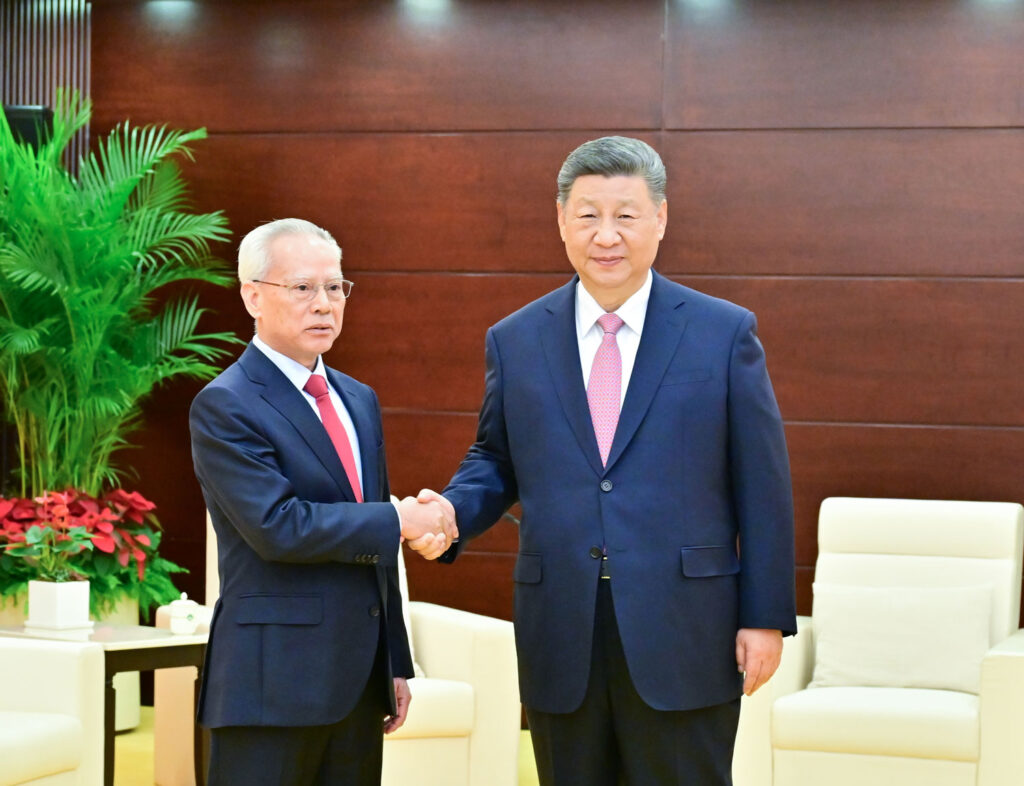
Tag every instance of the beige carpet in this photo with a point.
(133, 756)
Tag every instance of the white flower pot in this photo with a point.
(58, 605)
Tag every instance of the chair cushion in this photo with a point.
(35, 744)
(440, 708)
(927, 724)
(900, 637)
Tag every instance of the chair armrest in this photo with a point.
(752, 754)
(458, 645)
(1001, 704)
(64, 677)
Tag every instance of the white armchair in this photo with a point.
(911, 668)
(463, 723)
(51, 713)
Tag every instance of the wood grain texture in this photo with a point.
(419, 339)
(841, 64)
(426, 202)
(280, 65)
(917, 463)
(889, 351)
(864, 203)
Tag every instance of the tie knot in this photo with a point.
(316, 386)
(610, 323)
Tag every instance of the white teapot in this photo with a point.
(183, 615)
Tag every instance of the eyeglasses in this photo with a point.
(305, 291)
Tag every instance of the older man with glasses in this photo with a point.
(308, 656)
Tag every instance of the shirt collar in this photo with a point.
(632, 312)
(297, 373)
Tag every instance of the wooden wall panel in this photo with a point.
(362, 64)
(889, 461)
(842, 64)
(923, 351)
(875, 203)
(419, 340)
(427, 202)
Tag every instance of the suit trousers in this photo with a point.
(346, 753)
(616, 739)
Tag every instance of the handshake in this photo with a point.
(428, 523)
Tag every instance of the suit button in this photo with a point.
(595, 552)
(606, 485)
(375, 559)
(374, 611)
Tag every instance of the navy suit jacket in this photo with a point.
(694, 505)
(306, 573)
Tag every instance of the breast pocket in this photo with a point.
(684, 375)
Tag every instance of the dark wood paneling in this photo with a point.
(916, 463)
(889, 351)
(419, 339)
(845, 203)
(836, 63)
(481, 583)
(426, 202)
(425, 448)
(804, 595)
(311, 66)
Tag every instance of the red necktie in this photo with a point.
(316, 386)
(604, 389)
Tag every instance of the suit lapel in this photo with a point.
(282, 395)
(663, 330)
(562, 351)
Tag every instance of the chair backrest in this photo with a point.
(925, 543)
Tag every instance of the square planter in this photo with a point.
(58, 605)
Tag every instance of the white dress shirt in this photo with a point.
(589, 333)
(298, 375)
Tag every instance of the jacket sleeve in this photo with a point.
(484, 486)
(761, 488)
(239, 467)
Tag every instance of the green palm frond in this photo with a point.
(86, 330)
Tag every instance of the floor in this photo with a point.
(133, 756)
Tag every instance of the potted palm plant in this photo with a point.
(87, 331)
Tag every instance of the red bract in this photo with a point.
(104, 543)
(113, 521)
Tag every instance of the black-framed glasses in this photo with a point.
(304, 291)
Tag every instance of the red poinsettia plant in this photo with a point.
(111, 540)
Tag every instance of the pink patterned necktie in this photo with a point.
(604, 390)
(316, 386)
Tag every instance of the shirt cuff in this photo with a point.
(394, 501)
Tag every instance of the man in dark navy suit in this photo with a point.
(308, 658)
(634, 421)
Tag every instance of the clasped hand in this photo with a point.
(428, 523)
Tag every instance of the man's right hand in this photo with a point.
(429, 526)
